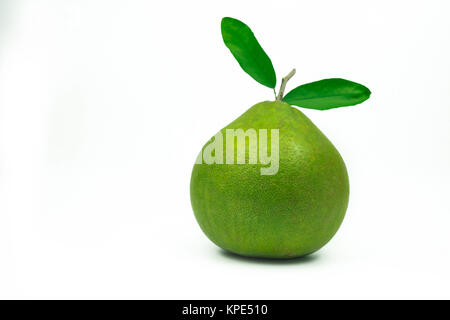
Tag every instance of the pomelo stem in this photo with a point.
(283, 84)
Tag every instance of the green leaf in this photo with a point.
(328, 94)
(241, 41)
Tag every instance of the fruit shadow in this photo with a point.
(299, 260)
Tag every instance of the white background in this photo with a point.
(104, 106)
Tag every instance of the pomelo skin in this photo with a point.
(289, 214)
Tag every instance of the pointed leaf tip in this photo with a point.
(241, 41)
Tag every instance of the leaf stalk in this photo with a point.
(283, 84)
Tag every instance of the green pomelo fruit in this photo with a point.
(291, 213)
